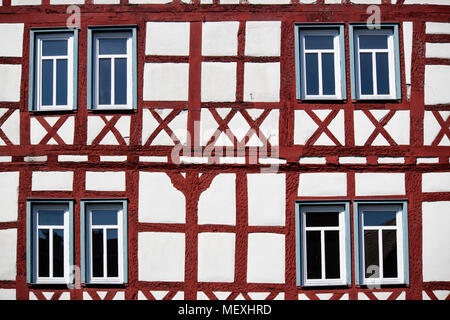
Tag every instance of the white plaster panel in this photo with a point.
(379, 183)
(218, 81)
(312, 160)
(12, 35)
(352, 160)
(436, 182)
(431, 127)
(166, 81)
(398, 127)
(262, 82)
(220, 38)
(383, 160)
(407, 45)
(263, 38)
(217, 204)
(9, 196)
(266, 258)
(437, 50)
(159, 201)
(304, 127)
(149, 1)
(11, 127)
(216, 252)
(105, 181)
(437, 78)
(435, 240)
(365, 1)
(270, 127)
(427, 160)
(363, 127)
(72, 158)
(25, 2)
(269, 1)
(8, 240)
(266, 199)
(7, 294)
(323, 184)
(65, 2)
(10, 75)
(167, 38)
(106, 1)
(161, 256)
(52, 180)
(437, 27)
(113, 158)
(437, 2)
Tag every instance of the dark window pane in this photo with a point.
(366, 73)
(380, 218)
(373, 42)
(47, 82)
(97, 252)
(389, 253)
(332, 267)
(318, 42)
(322, 219)
(313, 255)
(120, 81)
(61, 82)
(113, 46)
(112, 253)
(104, 217)
(58, 253)
(104, 78)
(54, 47)
(328, 73)
(51, 217)
(43, 255)
(312, 74)
(382, 61)
(371, 254)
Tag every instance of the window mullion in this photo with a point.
(374, 74)
(319, 70)
(105, 255)
(380, 253)
(322, 253)
(113, 77)
(50, 250)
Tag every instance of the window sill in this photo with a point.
(113, 110)
(55, 111)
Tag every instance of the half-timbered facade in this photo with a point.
(224, 149)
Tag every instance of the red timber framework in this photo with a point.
(134, 145)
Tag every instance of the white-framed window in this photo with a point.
(49, 243)
(382, 245)
(112, 70)
(320, 62)
(53, 69)
(105, 251)
(376, 69)
(323, 244)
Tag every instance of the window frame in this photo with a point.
(34, 88)
(92, 64)
(86, 227)
(343, 207)
(339, 51)
(31, 240)
(401, 227)
(393, 55)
